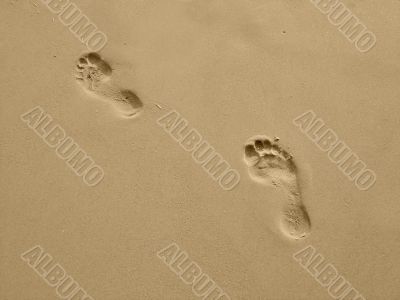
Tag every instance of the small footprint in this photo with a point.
(271, 165)
(94, 74)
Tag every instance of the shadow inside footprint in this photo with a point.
(97, 61)
(129, 103)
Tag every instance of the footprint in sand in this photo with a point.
(271, 165)
(94, 74)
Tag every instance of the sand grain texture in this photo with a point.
(235, 69)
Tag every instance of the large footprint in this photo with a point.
(94, 74)
(270, 164)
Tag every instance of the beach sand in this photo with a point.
(236, 71)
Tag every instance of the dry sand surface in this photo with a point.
(189, 149)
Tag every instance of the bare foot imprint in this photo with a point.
(94, 74)
(271, 165)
